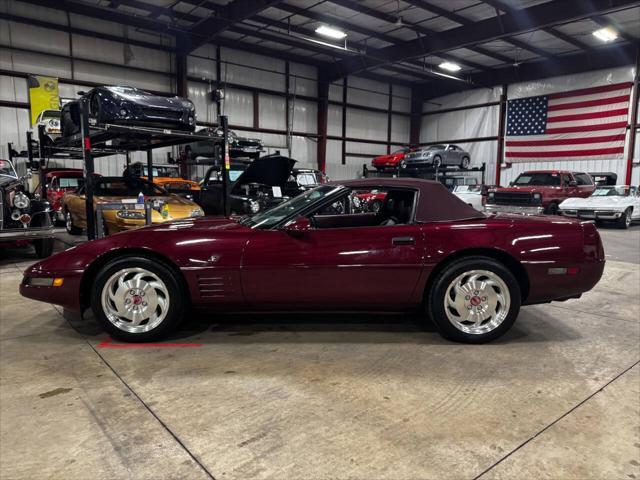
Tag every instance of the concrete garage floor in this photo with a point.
(323, 397)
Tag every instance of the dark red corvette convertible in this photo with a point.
(423, 249)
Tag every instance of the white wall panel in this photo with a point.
(334, 120)
(304, 150)
(68, 91)
(477, 122)
(400, 128)
(44, 40)
(206, 110)
(464, 99)
(334, 152)
(241, 71)
(92, 48)
(373, 149)
(362, 91)
(401, 101)
(366, 125)
(40, 64)
(110, 75)
(203, 68)
(305, 116)
(13, 89)
(40, 13)
(272, 112)
(238, 106)
(335, 92)
(14, 122)
(303, 79)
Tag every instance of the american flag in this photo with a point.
(582, 124)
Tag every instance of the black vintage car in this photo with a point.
(253, 187)
(130, 106)
(24, 217)
(239, 147)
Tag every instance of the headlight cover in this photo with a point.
(537, 198)
(491, 197)
(131, 215)
(21, 201)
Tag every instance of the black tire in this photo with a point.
(466, 163)
(44, 247)
(436, 296)
(437, 161)
(176, 292)
(71, 228)
(624, 221)
(552, 209)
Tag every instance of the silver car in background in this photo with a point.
(436, 156)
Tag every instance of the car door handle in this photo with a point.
(403, 241)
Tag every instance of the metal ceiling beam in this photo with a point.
(607, 57)
(328, 19)
(225, 16)
(568, 39)
(501, 6)
(505, 25)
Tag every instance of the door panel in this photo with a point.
(337, 268)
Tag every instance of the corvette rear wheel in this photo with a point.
(137, 299)
(474, 300)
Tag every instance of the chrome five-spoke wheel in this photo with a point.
(477, 301)
(474, 299)
(135, 300)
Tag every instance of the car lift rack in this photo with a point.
(440, 174)
(108, 139)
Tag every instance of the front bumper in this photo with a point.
(525, 210)
(418, 163)
(593, 214)
(26, 233)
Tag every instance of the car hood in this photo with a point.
(595, 202)
(155, 101)
(386, 158)
(170, 199)
(273, 170)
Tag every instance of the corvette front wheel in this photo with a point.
(474, 300)
(137, 299)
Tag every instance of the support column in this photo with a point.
(416, 116)
(88, 168)
(502, 115)
(345, 88)
(389, 118)
(150, 165)
(323, 112)
(633, 123)
(182, 89)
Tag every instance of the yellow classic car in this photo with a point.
(125, 190)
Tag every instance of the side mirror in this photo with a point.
(511, 184)
(297, 227)
(81, 93)
(573, 183)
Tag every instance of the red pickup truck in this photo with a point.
(539, 191)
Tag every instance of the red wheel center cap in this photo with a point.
(137, 299)
(475, 301)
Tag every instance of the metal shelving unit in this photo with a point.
(441, 174)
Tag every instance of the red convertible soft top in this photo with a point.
(435, 202)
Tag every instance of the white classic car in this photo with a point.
(470, 194)
(619, 203)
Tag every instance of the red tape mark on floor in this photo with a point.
(108, 344)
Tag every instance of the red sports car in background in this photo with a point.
(390, 161)
(57, 182)
(424, 250)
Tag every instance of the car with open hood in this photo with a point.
(129, 106)
(253, 187)
(124, 192)
(24, 217)
(424, 251)
(617, 203)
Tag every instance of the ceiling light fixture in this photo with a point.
(450, 67)
(606, 34)
(330, 32)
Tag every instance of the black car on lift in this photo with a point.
(129, 106)
(239, 147)
(24, 217)
(253, 187)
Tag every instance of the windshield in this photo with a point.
(129, 187)
(436, 147)
(610, 192)
(70, 182)
(161, 171)
(6, 169)
(552, 179)
(309, 178)
(468, 189)
(50, 114)
(290, 208)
